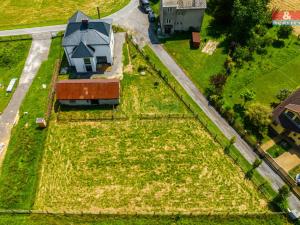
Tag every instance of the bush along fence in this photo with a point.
(16, 38)
(262, 184)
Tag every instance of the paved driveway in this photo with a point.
(37, 54)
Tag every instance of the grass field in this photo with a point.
(138, 165)
(28, 13)
(141, 166)
(13, 55)
(142, 220)
(20, 169)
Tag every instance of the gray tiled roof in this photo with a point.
(95, 32)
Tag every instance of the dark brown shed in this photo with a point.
(195, 42)
(85, 89)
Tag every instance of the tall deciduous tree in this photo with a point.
(246, 15)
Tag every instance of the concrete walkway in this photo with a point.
(38, 53)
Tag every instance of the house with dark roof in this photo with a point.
(88, 43)
(85, 92)
(181, 15)
(286, 117)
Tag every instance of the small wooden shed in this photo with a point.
(195, 42)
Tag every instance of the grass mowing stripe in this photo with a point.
(19, 172)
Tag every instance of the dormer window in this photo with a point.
(290, 114)
(297, 121)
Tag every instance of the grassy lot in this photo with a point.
(140, 165)
(267, 74)
(13, 55)
(257, 179)
(142, 220)
(26, 13)
(295, 171)
(19, 172)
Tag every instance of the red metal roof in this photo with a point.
(88, 89)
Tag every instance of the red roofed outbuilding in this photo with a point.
(88, 92)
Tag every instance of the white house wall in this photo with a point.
(100, 50)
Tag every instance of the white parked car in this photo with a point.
(298, 179)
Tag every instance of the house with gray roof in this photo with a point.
(88, 43)
(181, 15)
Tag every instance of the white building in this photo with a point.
(88, 43)
(181, 15)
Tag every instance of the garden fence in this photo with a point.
(140, 213)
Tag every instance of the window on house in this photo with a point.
(72, 101)
(87, 61)
(168, 21)
(290, 114)
(297, 121)
(169, 9)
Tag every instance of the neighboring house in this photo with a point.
(181, 15)
(88, 92)
(286, 117)
(88, 43)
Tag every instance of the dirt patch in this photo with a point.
(289, 160)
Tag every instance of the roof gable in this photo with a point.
(90, 32)
(78, 17)
(82, 51)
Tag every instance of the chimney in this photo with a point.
(85, 23)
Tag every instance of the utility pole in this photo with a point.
(98, 10)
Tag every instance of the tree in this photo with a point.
(258, 116)
(218, 81)
(256, 164)
(283, 94)
(281, 199)
(247, 96)
(284, 32)
(221, 10)
(247, 15)
(242, 54)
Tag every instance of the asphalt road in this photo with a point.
(134, 20)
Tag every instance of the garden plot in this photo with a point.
(141, 166)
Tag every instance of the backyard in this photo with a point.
(28, 13)
(13, 55)
(139, 165)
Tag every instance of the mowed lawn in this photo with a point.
(141, 166)
(29, 13)
(13, 55)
